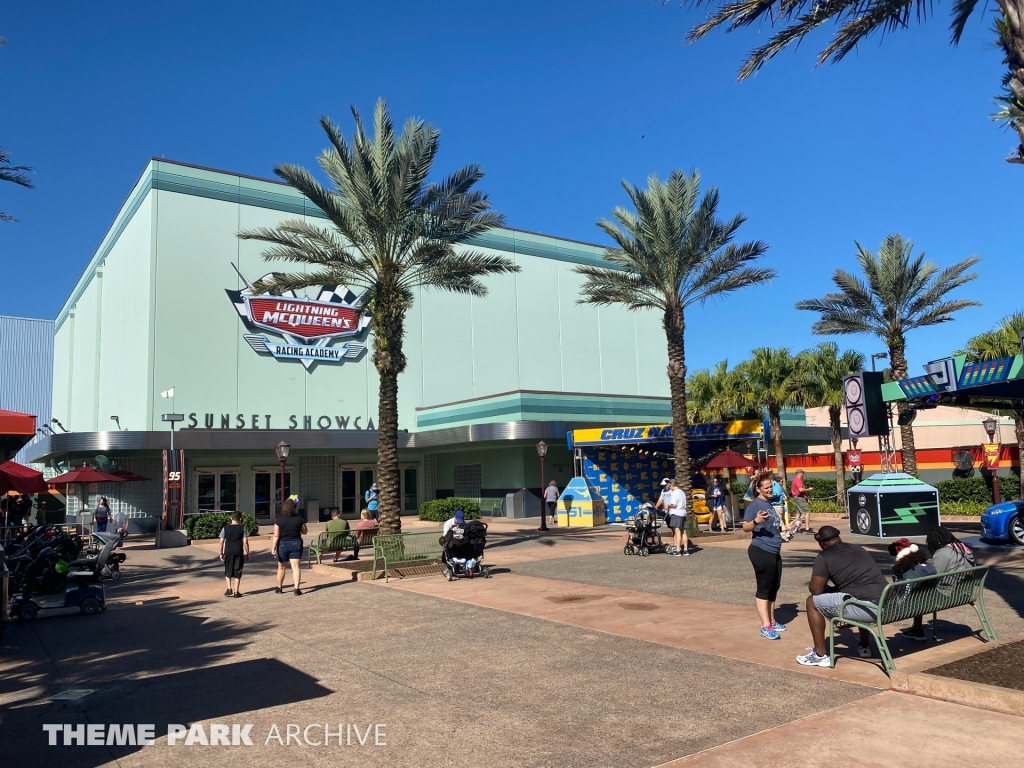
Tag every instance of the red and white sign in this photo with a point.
(303, 318)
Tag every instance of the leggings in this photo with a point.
(767, 572)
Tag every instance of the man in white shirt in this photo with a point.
(675, 502)
(551, 500)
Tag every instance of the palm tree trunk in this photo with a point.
(674, 327)
(837, 449)
(388, 324)
(775, 423)
(899, 371)
(1018, 423)
(1010, 28)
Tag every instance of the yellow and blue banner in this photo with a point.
(749, 429)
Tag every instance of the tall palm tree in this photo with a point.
(897, 293)
(1003, 341)
(14, 174)
(821, 373)
(770, 380)
(391, 232)
(672, 253)
(857, 20)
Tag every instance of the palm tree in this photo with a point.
(821, 371)
(711, 393)
(770, 381)
(1003, 341)
(857, 20)
(14, 174)
(392, 232)
(897, 293)
(672, 253)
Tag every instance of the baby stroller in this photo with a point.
(464, 550)
(644, 532)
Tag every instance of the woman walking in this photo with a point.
(287, 545)
(764, 524)
(101, 515)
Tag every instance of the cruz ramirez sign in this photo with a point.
(307, 326)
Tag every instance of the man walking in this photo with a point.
(798, 492)
(675, 503)
(234, 551)
(853, 573)
(551, 500)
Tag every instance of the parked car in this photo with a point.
(1004, 522)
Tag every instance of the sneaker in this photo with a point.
(277, 590)
(918, 635)
(812, 659)
(298, 591)
(864, 651)
(778, 627)
(237, 594)
(227, 593)
(769, 634)
(676, 554)
(686, 553)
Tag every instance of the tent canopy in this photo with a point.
(17, 477)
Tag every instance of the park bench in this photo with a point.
(903, 600)
(335, 541)
(394, 549)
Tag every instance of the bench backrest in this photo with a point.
(405, 547)
(903, 600)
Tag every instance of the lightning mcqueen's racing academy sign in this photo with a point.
(308, 326)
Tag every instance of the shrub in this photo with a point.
(208, 526)
(442, 509)
(972, 508)
(823, 488)
(978, 489)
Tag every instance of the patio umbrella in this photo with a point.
(729, 459)
(129, 477)
(17, 477)
(84, 476)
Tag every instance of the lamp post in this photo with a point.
(878, 356)
(990, 425)
(282, 450)
(542, 451)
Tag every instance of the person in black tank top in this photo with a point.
(234, 551)
(287, 545)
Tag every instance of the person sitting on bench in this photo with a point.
(338, 527)
(854, 573)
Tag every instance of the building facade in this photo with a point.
(163, 305)
(26, 370)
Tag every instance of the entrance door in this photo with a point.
(267, 491)
(355, 482)
(216, 490)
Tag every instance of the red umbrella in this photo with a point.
(85, 475)
(129, 477)
(17, 477)
(729, 459)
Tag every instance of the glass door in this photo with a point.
(267, 491)
(216, 490)
(356, 481)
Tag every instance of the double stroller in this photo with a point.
(463, 551)
(643, 534)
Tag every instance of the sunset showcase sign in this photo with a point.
(307, 326)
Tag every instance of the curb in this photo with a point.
(916, 681)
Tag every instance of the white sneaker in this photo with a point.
(812, 659)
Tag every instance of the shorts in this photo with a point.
(677, 521)
(767, 572)
(552, 508)
(233, 566)
(828, 606)
(289, 550)
(801, 505)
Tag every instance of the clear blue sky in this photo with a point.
(552, 99)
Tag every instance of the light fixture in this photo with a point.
(282, 450)
(116, 420)
(54, 421)
(542, 449)
(878, 356)
(990, 425)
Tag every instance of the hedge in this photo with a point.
(977, 490)
(818, 488)
(208, 526)
(443, 509)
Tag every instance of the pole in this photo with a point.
(281, 462)
(543, 505)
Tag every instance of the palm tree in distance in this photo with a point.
(859, 19)
(1002, 341)
(821, 371)
(710, 393)
(392, 232)
(769, 380)
(14, 174)
(898, 293)
(671, 253)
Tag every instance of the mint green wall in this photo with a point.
(158, 285)
(515, 467)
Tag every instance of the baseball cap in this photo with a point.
(664, 481)
(826, 533)
(460, 516)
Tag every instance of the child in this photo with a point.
(234, 551)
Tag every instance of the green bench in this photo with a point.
(929, 594)
(395, 549)
(335, 541)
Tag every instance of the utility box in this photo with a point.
(581, 505)
(892, 505)
(522, 503)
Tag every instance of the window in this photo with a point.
(467, 481)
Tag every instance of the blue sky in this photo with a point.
(553, 99)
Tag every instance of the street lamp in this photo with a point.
(542, 451)
(282, 450)
(878, 356)
(990, 425)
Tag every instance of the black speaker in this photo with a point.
(866, 413)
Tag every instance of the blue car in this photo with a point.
(1004, 522)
